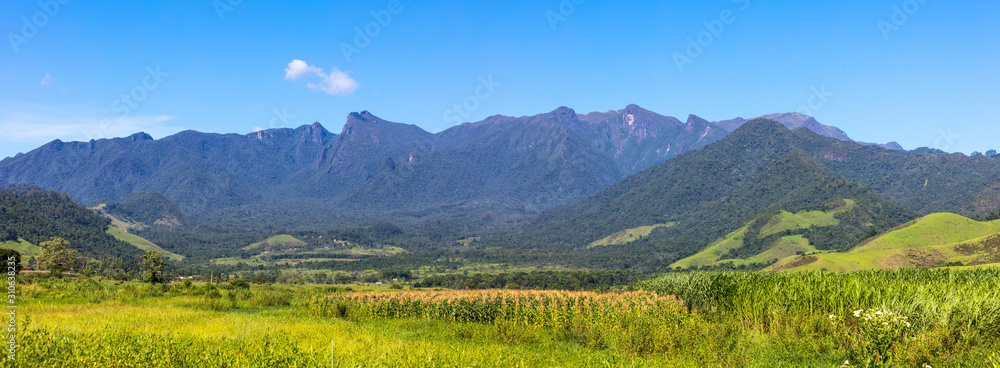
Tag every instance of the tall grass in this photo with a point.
(968, 301)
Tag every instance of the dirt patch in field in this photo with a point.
(797, 262)
(925, 258)
(989, 249)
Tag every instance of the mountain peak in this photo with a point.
(563, 111)
(140, 136)
(762, 125)
(368, 124)
(694, 119)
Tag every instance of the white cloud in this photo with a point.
(47, 81)
(298, 69)
(336, 83)
(28, 126)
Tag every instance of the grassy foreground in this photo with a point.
(721, 320)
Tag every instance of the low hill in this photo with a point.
(142, 243)
(784, 231)
(629, 235)
(277, 242)
(39, 215)
(941, 239)
(27, 250)
(144, 210)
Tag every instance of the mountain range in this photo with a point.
(760, 168)
(619, 189)
(499, 170)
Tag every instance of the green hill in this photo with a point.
(783, 222)
(39, 215)
(142, 243)
(757, 175)
(941, 239)
(934, 229)
(629, 235)
(26, 249)
(141, 210)
(277, 242)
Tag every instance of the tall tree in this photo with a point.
(56, 256)
(152, 265)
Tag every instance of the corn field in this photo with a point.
(549, 309)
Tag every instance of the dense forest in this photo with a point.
(38, 215)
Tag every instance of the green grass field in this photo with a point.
(931, 241)
(628, 235)
(680, 320)
(142, 243)
(277, 242)
(785, 247)
(26, 249)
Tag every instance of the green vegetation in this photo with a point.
(145, 209)
(716, 319)
(934, 229)
(38, 215)
(953, 317)
(143, 244)
(629, 235)
(57, 256)
(277, 242)
(774, 232)
(27, 250)
(936, 240)
(547, 280)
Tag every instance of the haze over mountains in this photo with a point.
(499, 170)
(511, 167)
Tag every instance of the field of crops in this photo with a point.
(873, 319)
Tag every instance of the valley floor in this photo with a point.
(84, 323)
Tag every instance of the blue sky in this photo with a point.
(927, 74)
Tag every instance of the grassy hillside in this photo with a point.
(117, 222)
(713, 192)
(22, 246)
(934, 229)
(142, 243)
(629, 235)
(936, 240)
(276, 242)
(782, 247)
(40, 215)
